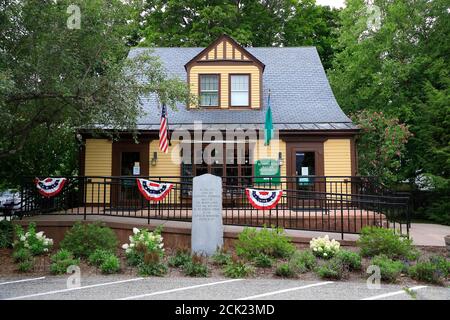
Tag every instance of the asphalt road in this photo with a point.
(125, 287)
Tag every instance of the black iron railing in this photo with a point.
(317, 203)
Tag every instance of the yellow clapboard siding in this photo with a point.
(337, 162)
(98, 162)
(229, 50)
(165, 166)
(219, 50)
(225, 71)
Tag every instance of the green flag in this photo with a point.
(268, 125)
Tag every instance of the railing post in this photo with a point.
(342, 218)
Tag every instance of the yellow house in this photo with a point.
(313, 137)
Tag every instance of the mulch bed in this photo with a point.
(42, 268)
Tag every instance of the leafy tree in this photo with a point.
(54, 79)
(380, 145)
(267, 23)
(400, 68)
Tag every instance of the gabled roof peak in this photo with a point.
(236, 53)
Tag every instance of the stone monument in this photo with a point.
(207, 227)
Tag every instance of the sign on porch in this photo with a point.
(267, 167)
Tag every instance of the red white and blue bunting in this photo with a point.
(263, 199)
(153, 190)
(50, 187)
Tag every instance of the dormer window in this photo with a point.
(225, 75)
(209, 90)
(239, 90)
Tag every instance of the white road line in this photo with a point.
(177, 289)
(390, 294)
(286, 290)
(22, 280)
(72, 289)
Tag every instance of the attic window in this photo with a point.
(209, 90)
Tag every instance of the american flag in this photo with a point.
(163, 131)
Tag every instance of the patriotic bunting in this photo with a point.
(263, 199)
(153, 190)
(50, 187)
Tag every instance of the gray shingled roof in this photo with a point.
(301, 97)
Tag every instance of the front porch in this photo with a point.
(341, 205)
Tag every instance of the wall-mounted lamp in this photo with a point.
(154, 159)
(280, 158)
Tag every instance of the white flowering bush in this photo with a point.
(144, 245)
(36, 242)
(324, 247)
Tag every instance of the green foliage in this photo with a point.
(6, 234)
(263, 261)
(285, 270)
(195, 267)
(332, 269)
(151, 264)
(83, 239)
(237, 269)
(77, 86)
(25, 266)
(110, 264)
(303, 261)
(374, 241)
(221, 257)
(97, 257)
(107, 261)
(36, 242)
(435, 270)
(61, 261)
(252, 23)
(180, 258)
(381, 145)
(390, 270)
(385, 70)
(272, 242)
(349, 259)
(21, 255)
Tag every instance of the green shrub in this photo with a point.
(272, 242)
(285, 270)
(21, 255)
(375, 241)
(151, 264)
(221, 257)
(61, 261)
(6, 234)
(331, 269)
(36, 242)
(180, 258)
(195, 267)
(303, 261)
(263, 261)
(110, 264)
(237, 269)
(144, 243)
(349, 259)
(435, 270)
(390, 270)
(83, 239)
(25, 266)
(152, 269)
(97, 257)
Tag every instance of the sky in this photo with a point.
(331, 3)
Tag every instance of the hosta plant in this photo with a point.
(36, 242)
(324, 247)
